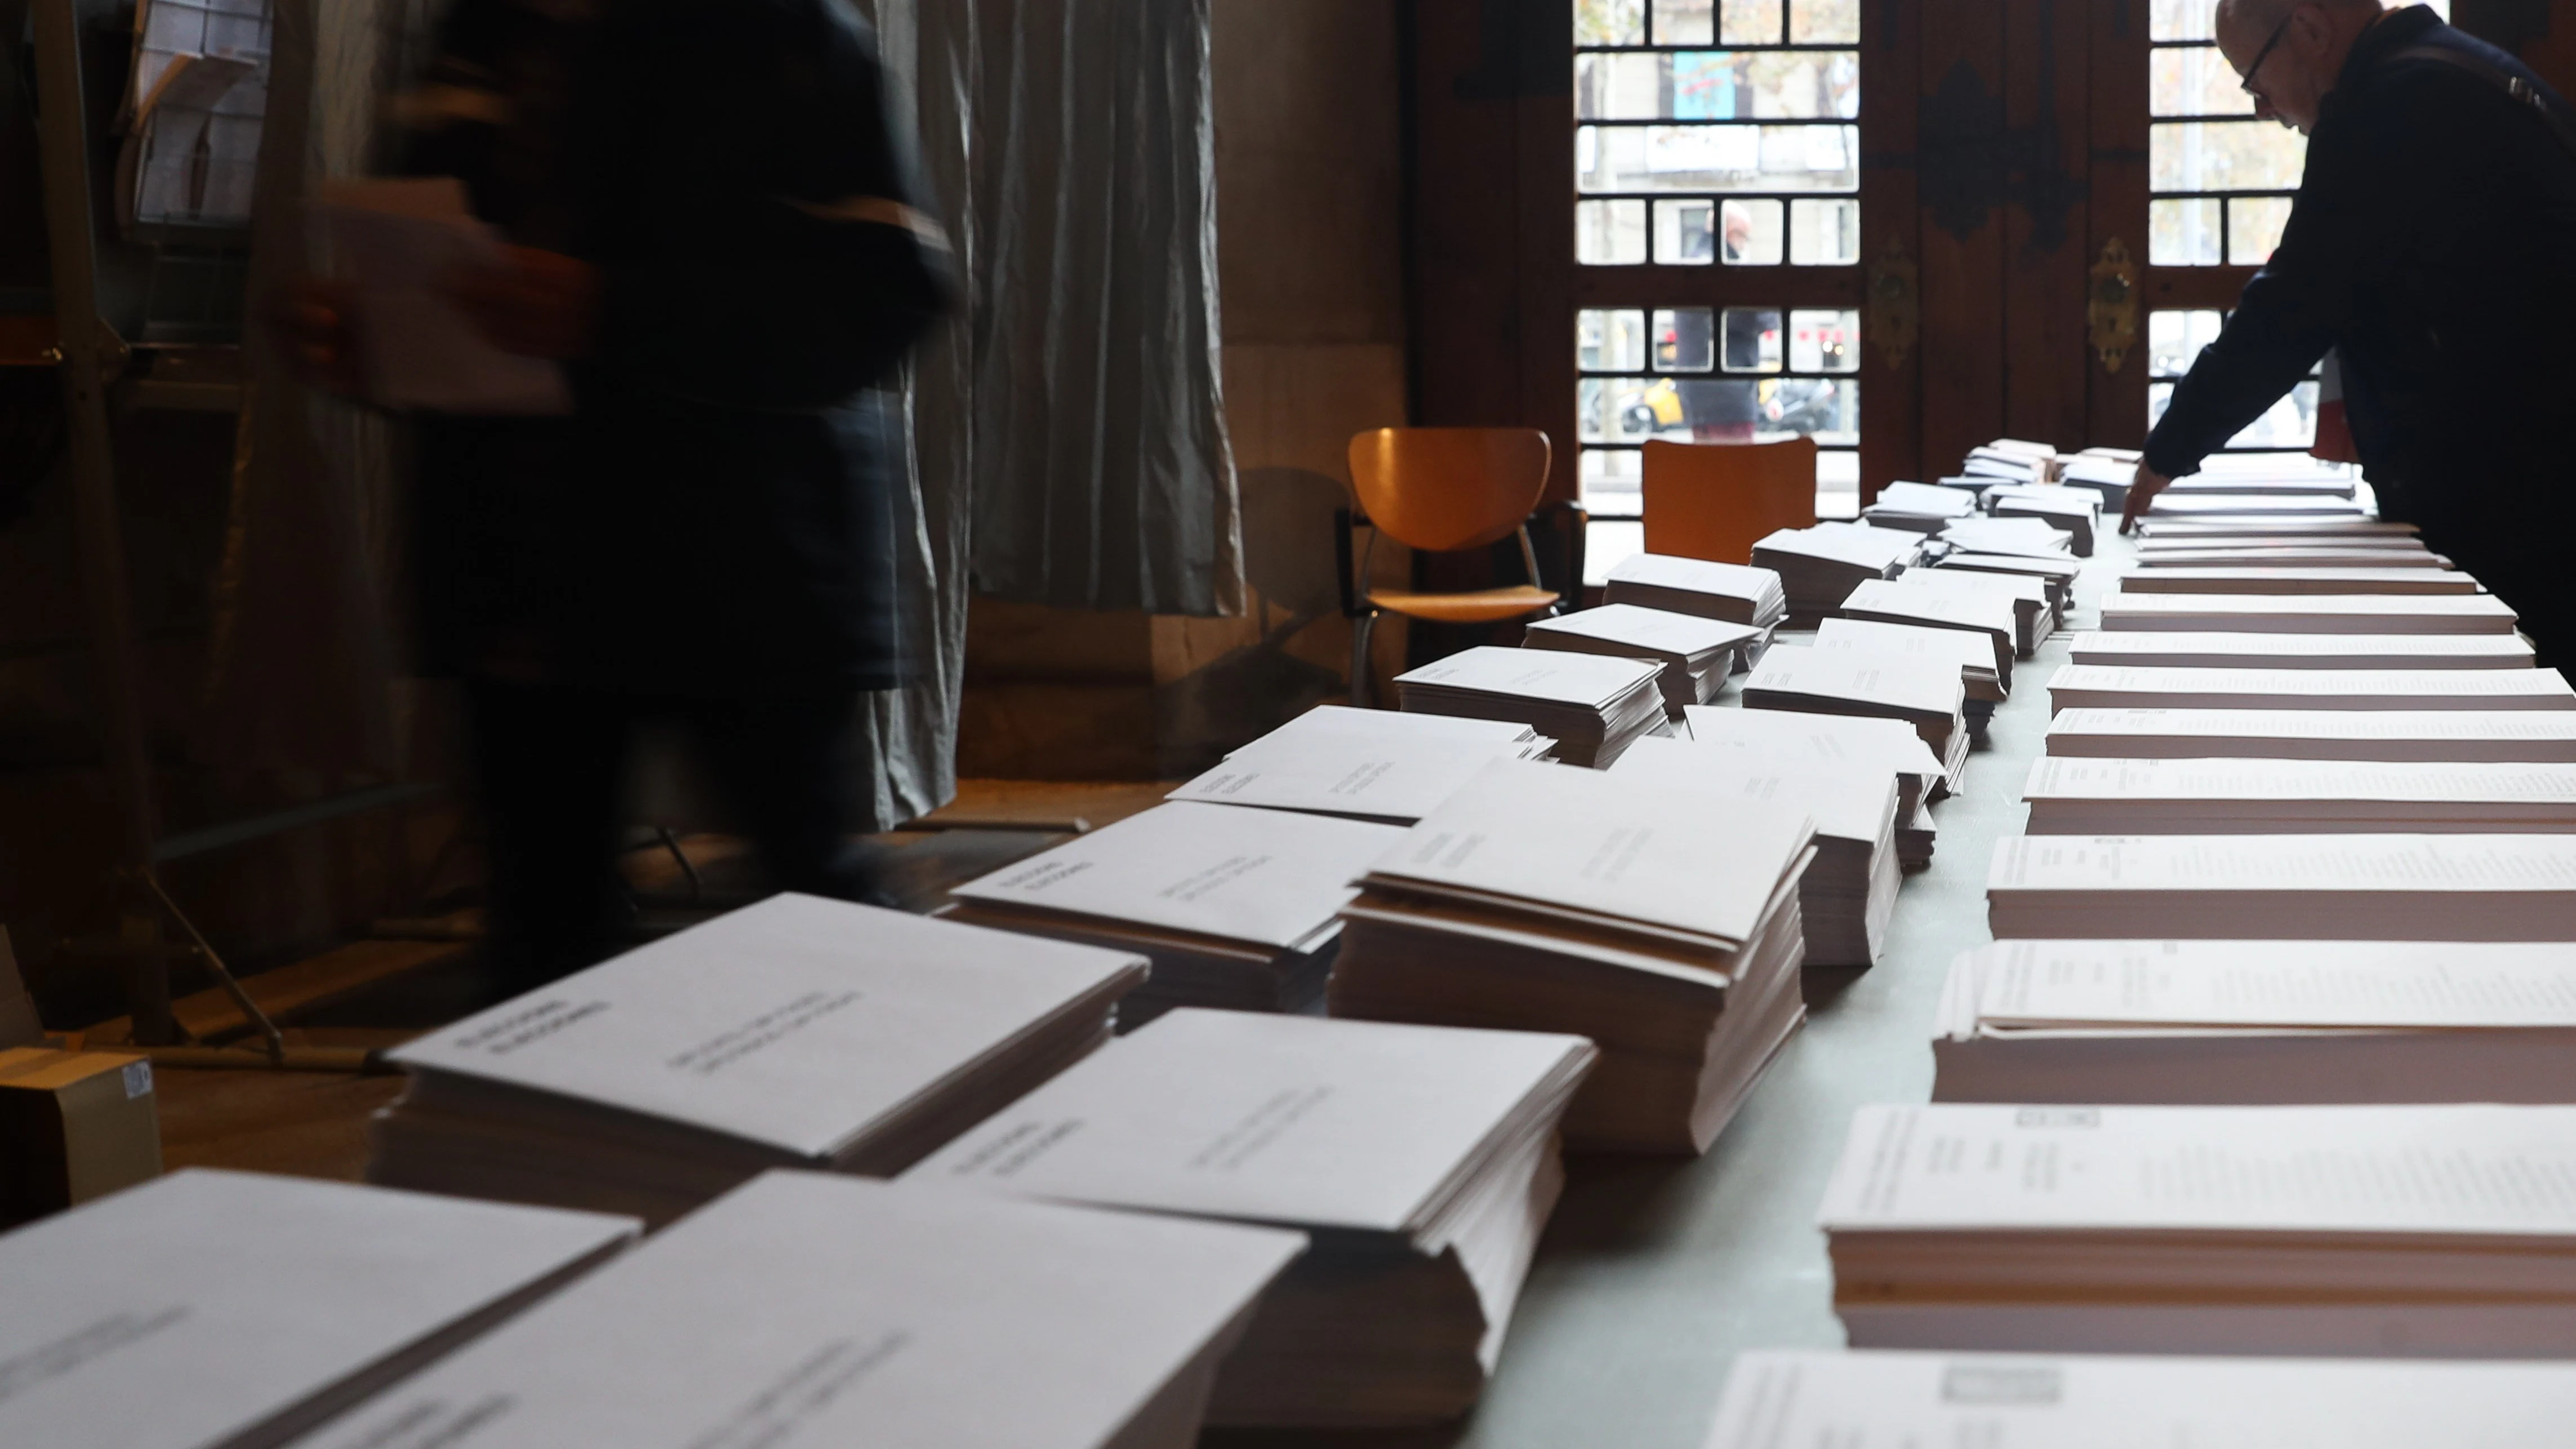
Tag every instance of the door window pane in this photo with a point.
(1685, 22)
(1612, 479)
(1717, 158)
(1823, 341)
(1610, 233)
(2224, 156)
(1752, 236)
(1609, 22)
(2181, 19)
(2183, 233)
(1752, 340)
(1619, 87)
(1626, 409)
(1610, 341)
(1685, 340)
(2195, 81)
(1748, 22)
(2174, 339)
(1826, 409)
(2254, 226)
(1824, 22)
(1824, 233)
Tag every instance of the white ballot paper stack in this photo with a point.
(2056, 574)
(806, 1310)
(2034, 617)
(1917, 507)
(1367, 764)
(1988, 616)
(1696, 654)
(2103, 686)
(400, 245)
(1777, 1398)
(2107, 478)
(2285, 887)
(2316, 734)
(1849, 890)
(1925, 693)
(1729, 593)
(1838, 742)
(1423, 1161)
(2390, 553)
(1592, 705)
(2197, 505)
(2258, 1023)
(2009, 535)
(2309, 613)
(798, 1032)
(234, 1310)
(2301, 651)
(1988, 677)
(2274, 578)
(2378, 1231)
(2078, 796)
(1234, 907)
(1818, 566)
(2078, 511)
(1662, 923)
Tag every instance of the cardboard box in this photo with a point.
(73, 1126)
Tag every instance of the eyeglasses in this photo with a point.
(2265, 53)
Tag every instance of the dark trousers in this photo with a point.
(551, 762)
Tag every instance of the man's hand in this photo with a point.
(531, 302)
(2142, 491)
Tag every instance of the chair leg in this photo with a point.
(1360, 627)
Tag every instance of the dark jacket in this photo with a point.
(2433, 244)
(717, 516)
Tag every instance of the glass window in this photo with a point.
(1749, 22)
(1610, 233)
(2224, 156)
(1824, 341)
(1684, 340)
(1824, 233)
(1609, 22)
(1752, 342)
(2254, 226)
(2183, 233)
(1723, 158)
(1610, 341)
(1824, 22)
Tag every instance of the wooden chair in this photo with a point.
(1442, 490)
(1715, 501)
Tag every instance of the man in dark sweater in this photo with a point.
(2433, 246)
(713, 227)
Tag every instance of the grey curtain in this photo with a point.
(1102, 476)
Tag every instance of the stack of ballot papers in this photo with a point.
(2056, 575)
(2369, 554)
(798, 1032)
(1697, 654)
(2412, 887)
(2309, 614)
(2342, 530)
(2111, 686)
(2077, 511)
(2277, 578)
(2007, 535)
(1661, 923)
(1988, 678)
(1592, 705)
(1367, 764)
(2268, 475)
(2372, 1231)
(1422, 1160)
(2034, 616)
(2196, 505)
(1838, 742)
(2015, 458)
(805, 1310)
(1924, 692)
(1234, 907)
(1917, 507)
(2106, 478)
(1849, 889)
(1987, 615)
(2077, 796)
(1776, 1398)
(1732, 593)
(2301, 651)
(1818, 566)
(2256, 1023)
(2315, 734)
(234, 1310)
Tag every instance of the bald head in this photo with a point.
(2264, 16)
(2308, 41)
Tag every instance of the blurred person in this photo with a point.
(2430, 245)
(1723, 410)
(713, 226)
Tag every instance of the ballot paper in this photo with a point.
(1697, 654)
(798, 1032)
(2107, 686)
(400, 245)
(233, 1310)
(2369, 554)
(2077, 796)
(1592, 705)
(1849, 890)
(2315, 734)
(2056, 574)
(1819, 565)
(1392, 777)
(1987, 677)
(1917, 507)
(804, 1309)
(2228, 1023)
(2309, 614)
(2198, 504)
(1422, 1159)
(2034, 617)
(2366, 1230)
(1661, 922)
(2281, 578)
(2076, 510)
(1395, 726)
(1925, 693)
(1234, 907)
(2106, 478)
(2217, 650)
(1989, 615)
(2008, 535)
(1839, 742)
(1734, 593)
(2297, 530)
(2393, 887)
(1884, 1399)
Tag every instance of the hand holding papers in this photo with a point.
(403, 246)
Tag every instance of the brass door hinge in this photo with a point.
(2111, 307)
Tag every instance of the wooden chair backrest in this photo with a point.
(1444, 489)
(1714, 501)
